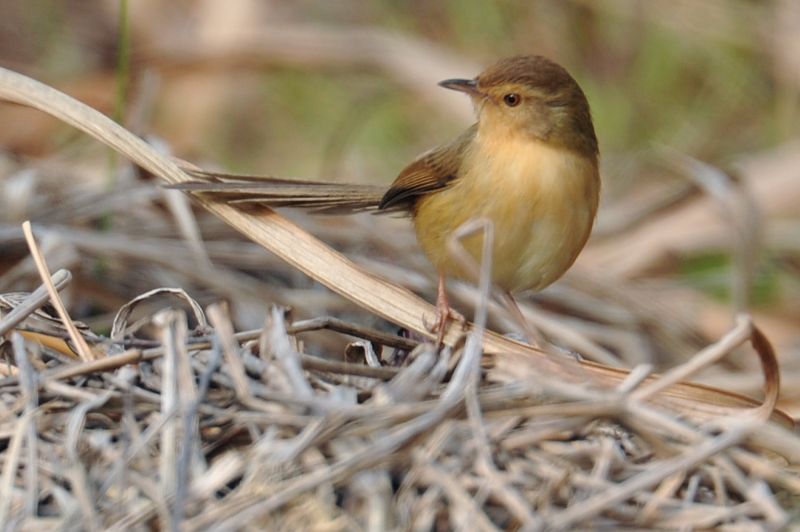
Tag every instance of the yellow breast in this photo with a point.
(541, 200)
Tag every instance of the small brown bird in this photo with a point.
(529, 164)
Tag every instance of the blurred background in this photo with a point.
(695, 105)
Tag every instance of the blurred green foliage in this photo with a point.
(649, 82)
(653, 75)
(711, 273)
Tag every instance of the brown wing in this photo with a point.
(434, 170)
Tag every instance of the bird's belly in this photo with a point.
(540, 226)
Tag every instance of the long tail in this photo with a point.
(317, 196)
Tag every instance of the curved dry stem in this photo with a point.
(314, 258)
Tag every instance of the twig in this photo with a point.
(737, 431)
(34, 301)
(80, 344)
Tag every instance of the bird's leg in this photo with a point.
(443, 312)
(533, 336)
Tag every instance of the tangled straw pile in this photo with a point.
(209, 429)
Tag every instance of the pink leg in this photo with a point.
(443, 311)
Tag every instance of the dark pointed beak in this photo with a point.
(470, 86)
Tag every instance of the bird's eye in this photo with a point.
(512, 100)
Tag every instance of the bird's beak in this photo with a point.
(470, 86)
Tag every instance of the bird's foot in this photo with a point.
(444, 314)
(440, 322)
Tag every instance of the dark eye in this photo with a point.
(512, 100)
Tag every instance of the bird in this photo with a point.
(529, 165)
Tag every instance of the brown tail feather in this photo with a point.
(317, 196)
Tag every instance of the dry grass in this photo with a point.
(145, 420)
(212, 429)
